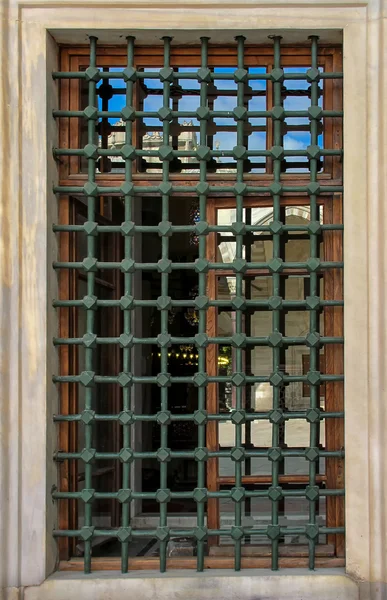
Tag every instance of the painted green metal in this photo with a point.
(241, 340)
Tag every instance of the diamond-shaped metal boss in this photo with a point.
(313, 188)
(163, 454)
(124, 534)
(238, 340)
(277, 75)
(127, 151)
(90, 302)
(275, 302)
(204, 75)
(166, 74)
(87, 416)
(128, 228)
(273, 532)
(126, 455)
(87, 495)
(200, 494)
(313, 151)
(164, 302)
(239, 152)
(200, 379)
(313, 415)
(128, 113)
(313, 340)
(162, 533)
(238, 302)
(312, 454)
(276, 416)
(238, 379)
(203, 153)
(89, 340)
(239, 265)
(275, 265)
(274, 454)
(276, 379)
(165, 114)
(91, 228)
(236, 533)
(202, 188)
(275, 493)
(240, 189)
(241, 76)
(312, 493)
(277, 152)
(126, 340)
(165, 188)
(90, 189)
(89, 264)
(275, 189)
(125, 379)
(165, 228)
(201, 454)
(164, 265)
(201, 340)
(124, 496)
(237, 454)
(237, 494)
(126, 417)
(238, 417)
(86, 378)
(200, 533)
(88, 455)
(92, 74)
(238, 228)
(163, 495)
(163, 417)
(311, 532)
(163, 379)
(314, 227)
(166, 153)
(127, 189)
(128, 265)
(203, 113)
(202, 265)
(129, 74)
(277, 113)
(202, 302)
(312, 74)
(240, 113)
(275, 339)
(90, 151)
(314, 112)
(87, 533)
(127, 302)
(202, 228)
(276, 227)
(313, 377)
(313, 302)
(200, 417)
(91, 112)
(164, 340)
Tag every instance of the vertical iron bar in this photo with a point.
(90, 313)
(239, 292)
(164, 311)
(128, 290)
(201, 477)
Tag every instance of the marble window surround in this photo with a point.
(30, 32)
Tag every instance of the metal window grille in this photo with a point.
(241, 190)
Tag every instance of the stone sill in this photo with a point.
(252, 584)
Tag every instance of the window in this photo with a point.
(201, 307)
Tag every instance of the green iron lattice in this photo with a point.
(90, 265)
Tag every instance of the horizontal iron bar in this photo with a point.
(210, 379)
(293, 453)
(190, 153)
(175, 266)
(259, 304)
(253, 341)
(192, 228)
(223, 417)
(182, 189)
(193, 75)
(189, 114)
